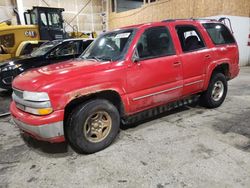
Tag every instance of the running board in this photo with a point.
(159, 110)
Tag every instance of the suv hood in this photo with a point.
(36, 78)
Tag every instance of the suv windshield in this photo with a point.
(44, 48)
(110, 46)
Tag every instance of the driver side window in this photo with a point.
(155, 42)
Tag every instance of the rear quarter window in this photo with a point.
(219, 33)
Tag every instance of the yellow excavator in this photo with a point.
(42, 24)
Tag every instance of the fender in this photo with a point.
(211, 67)
(96, 89)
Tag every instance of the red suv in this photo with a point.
(134, 71)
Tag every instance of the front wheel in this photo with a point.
(93, 126)
(216, 92)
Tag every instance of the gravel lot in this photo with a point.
(188, 147)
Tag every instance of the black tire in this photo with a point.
(78, 137)
(207, 98)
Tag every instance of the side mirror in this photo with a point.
(135, 57)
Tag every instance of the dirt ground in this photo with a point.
(188, 147)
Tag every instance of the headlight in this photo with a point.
(12, 67)
(35, 96)
(37, 103)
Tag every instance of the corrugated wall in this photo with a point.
(164, 9)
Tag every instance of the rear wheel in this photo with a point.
(93, 126)
(216, 92)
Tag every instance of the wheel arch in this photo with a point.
(223, 67)
(110, 95)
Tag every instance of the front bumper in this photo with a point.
(47, 128)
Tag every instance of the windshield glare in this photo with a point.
(44, 48)
(109, 46)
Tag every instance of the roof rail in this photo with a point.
(192, 19)
(204, 19)
(173, 20)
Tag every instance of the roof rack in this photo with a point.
(192, 19)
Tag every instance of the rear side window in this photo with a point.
(190, 38)
(155, 42)
(219, 33)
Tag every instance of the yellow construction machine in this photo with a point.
(42, 24)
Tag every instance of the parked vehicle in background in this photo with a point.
(132, 72)
(41, 24)
(49, 53)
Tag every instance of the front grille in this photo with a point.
(18, 93)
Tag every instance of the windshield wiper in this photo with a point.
(99, 58)
(91, 58)
(105, 58)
